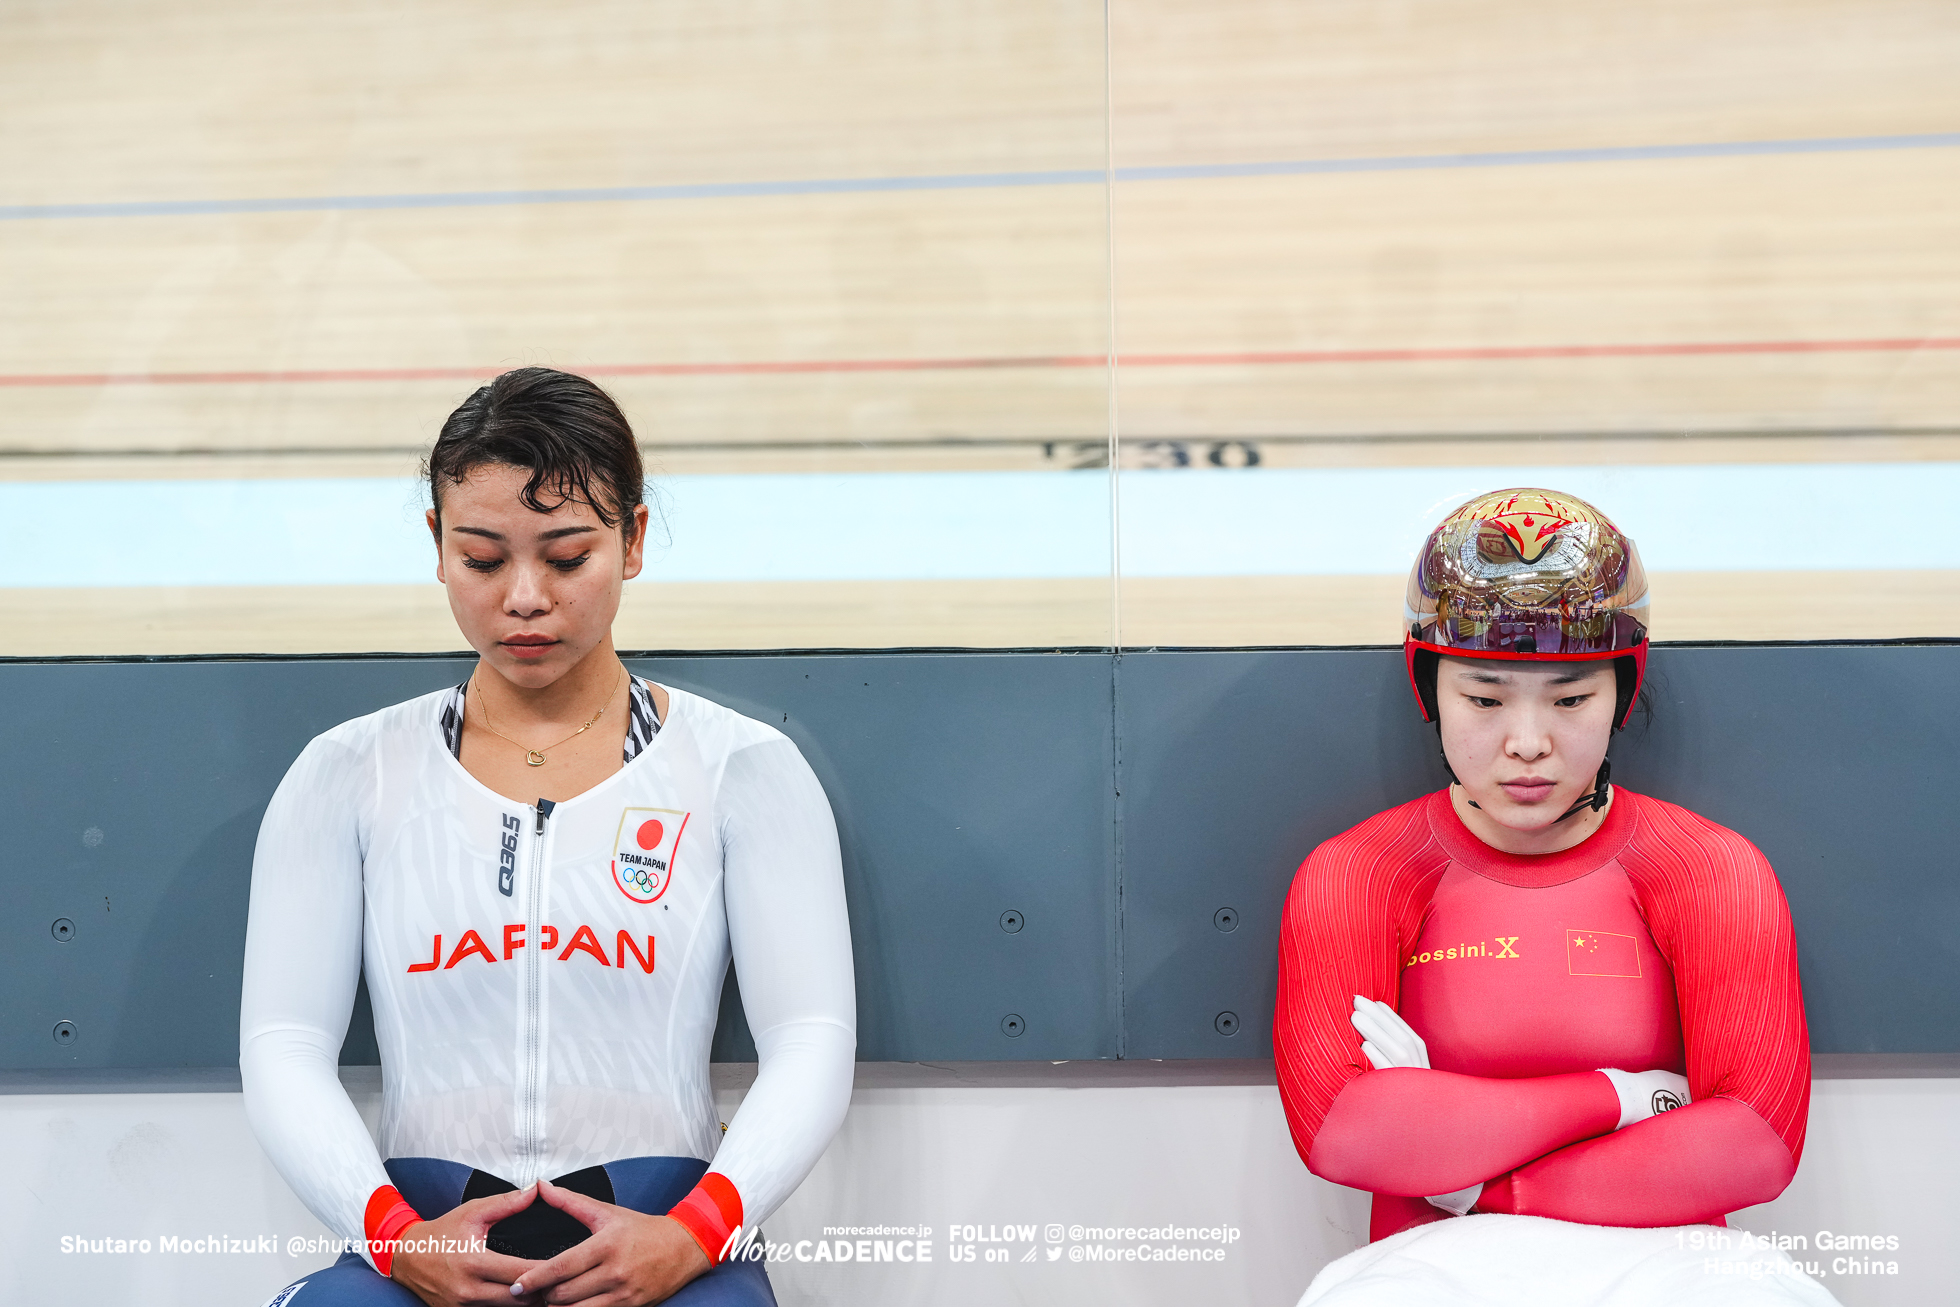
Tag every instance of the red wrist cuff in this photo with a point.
(388, 1214)
(711, 1212)
(1497, 1196)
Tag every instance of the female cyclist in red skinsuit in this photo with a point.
(1535, 992)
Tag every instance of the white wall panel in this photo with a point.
(937, 1147)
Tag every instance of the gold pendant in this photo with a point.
(535, 758)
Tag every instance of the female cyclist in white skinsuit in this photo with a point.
(543, 873)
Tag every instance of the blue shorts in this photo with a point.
(432, 1187)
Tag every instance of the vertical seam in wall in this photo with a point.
(1115, 525)
(1112, 419)
(1116, 841)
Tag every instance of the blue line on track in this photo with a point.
(1538, 158)
(981, 180)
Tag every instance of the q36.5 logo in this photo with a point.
(644, 850)
(507, 856)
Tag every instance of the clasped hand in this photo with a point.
(631, 1259)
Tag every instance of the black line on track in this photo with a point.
(1901, 642)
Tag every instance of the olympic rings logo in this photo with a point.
(640, 884)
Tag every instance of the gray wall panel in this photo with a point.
(969, 785)
(965, 786)
(133, 792)
(1838, 762)
(1235, 764)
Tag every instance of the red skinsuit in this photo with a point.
(1661, 941)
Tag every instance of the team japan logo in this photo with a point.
(648, 841)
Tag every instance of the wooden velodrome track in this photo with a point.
(282, 240)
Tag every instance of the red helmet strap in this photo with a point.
(1626, 684)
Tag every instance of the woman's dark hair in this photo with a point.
(567, 431)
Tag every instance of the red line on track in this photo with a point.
(1253, 358)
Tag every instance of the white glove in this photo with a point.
(1646, 1093)
(1389, 1041)
(1386, 1038)
(1460, 1202)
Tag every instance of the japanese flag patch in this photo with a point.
(644, 850)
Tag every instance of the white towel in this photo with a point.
(1524, 1261)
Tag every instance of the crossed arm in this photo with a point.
(1539, 1145)
(1560, 1146)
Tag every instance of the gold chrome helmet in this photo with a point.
(1526, 574)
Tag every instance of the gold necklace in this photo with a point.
(537, 757)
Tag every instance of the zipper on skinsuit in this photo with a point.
(530, 1134)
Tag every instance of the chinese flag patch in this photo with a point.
(1601, 953)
